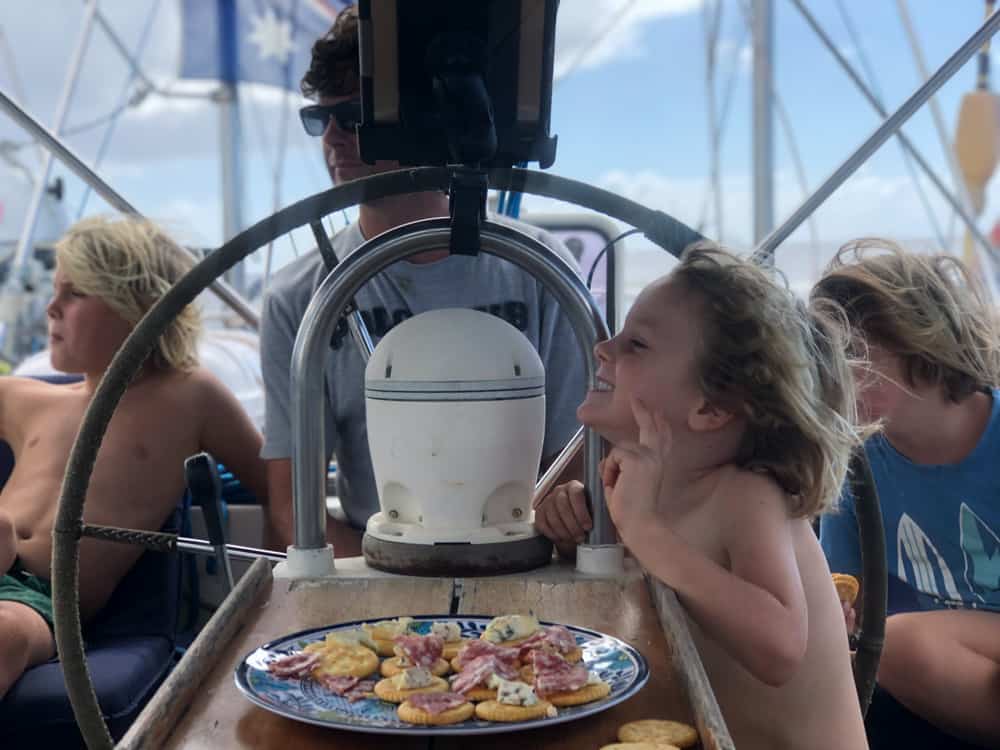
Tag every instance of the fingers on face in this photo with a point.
(611, 468)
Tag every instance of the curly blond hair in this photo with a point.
(130, 263)
(927, 309)
(780, 365)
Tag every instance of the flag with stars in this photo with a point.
(257, 41)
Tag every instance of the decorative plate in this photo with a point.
(611, 659)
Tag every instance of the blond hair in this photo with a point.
(781, 366)
(130, 263)
(927, 309)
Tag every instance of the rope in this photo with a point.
(157, 541)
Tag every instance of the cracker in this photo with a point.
(392, 667)
(496, 711)
(451, 648)
(658, 730)
(586, 694)
(847, 587)
(479, 694)
(412, 715)
(384, 647)
(387, 691)
(345, 660)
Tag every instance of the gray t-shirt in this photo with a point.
(483, 282)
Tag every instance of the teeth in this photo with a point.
(602, 386)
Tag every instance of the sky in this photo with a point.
(629, 109)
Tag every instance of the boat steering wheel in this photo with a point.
(660, 228)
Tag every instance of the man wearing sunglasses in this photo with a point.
(429, 280)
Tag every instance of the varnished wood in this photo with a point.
(619, 608)
(220, 717)
(161, 714)
(708, 718)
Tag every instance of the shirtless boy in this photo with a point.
(729, 407)
(108, 273)
(932, 378)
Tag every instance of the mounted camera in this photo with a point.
(457, 81)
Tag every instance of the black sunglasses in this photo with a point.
(316, 117)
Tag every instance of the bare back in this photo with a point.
(818, 707)
(138, 477)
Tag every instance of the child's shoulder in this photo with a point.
(22, 387)
(741, 491)
(191, 386)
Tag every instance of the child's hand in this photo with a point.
(633, 472)
(563, 517)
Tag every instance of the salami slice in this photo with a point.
(298, 665)
(435, 703)
(421, 650)
(554, 638)
(338, 685)
(478, 672)
(561, 638)
(360, 691)
(475, 649)
(565, 679)
(546, 661)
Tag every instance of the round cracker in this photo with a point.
(387, 690)
(586, 694)
(479, 694)
(345, 660)
(412, 715)
(384, 647)
(496, 711)
(451, 648)
(658, 730)
(847, 587)
(640, 746)
(392, 667)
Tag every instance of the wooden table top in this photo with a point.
(221, 717)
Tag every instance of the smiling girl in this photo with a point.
(729, 407)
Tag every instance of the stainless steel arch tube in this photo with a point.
(327, 305)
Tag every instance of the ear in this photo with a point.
(706, 416)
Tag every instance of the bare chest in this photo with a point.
(142, 452)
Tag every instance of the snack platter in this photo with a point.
(611, 660)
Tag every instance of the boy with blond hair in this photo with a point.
(730, 411)
(109, 272)
(932, 379)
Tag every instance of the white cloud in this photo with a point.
(869, 204)
(590, 33)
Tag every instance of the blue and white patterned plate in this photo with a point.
(614, 661)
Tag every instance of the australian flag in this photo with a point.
(256, 41)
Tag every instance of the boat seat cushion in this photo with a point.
(125, 671)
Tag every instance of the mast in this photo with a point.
(763, 121)
(12, 295)
(230, 133)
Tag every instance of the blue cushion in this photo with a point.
(125, 671)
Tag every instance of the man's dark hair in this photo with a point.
(334, 69)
